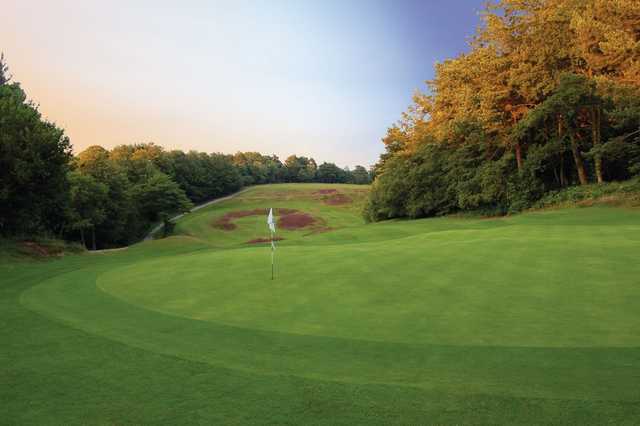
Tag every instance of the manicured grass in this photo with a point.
(527, 319)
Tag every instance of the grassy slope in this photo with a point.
(530, 319)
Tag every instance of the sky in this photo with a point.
(320, 78)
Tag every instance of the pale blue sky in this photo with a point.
(317, 78)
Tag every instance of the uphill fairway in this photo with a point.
(531, 319)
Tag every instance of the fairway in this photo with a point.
(532, 318)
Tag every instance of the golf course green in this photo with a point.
(532, 318)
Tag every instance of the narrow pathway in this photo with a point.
(198, 207)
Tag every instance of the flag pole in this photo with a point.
(272, 229)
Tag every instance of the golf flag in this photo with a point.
(272, 228)
(272, 224)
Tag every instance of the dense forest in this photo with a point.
(107, 198)
(547, 97)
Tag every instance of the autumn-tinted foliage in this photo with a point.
(547, 97)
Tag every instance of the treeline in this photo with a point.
(547, 97)
(256, 168)
(108, 198)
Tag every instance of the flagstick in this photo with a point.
(272, 229)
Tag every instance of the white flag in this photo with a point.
(272, 224)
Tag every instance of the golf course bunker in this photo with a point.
(226, 222)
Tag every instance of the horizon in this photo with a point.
(322, 80)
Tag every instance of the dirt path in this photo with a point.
(198, 207)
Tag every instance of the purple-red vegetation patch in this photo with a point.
(287, 218)
(326, 191)
(296, 221)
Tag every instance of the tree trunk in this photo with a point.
(82, 238)
(577, 158)
(93, 237)
(595, 135)
(563, 178)
(518, 149)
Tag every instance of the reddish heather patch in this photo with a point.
(225, 226)
(326, 191)
(296, 221)
(226, 222)
(35, 249)
(264, 240)
(337, 199)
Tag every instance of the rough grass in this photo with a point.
(617, 194)
(25, 249)
(530, 319)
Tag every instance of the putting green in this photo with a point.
(505, 286)
(451, 320)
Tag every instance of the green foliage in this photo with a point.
(201, 176)
(360, 176)
(88, 199)
(439, 179)
(625, 193)
(159, 196)
(34, 156)
(330, 173)
(256, 168)
(4, 71)
(300, 169)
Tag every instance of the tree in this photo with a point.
(34, 157)
(94, 161)
(606, 34)
(202, 176)
(360, 176)
(549, 88)
(88, 199)
(159, 197)
(4, 71)
(121, 225)
(300, 169)
(330, 173)
(569, 107)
